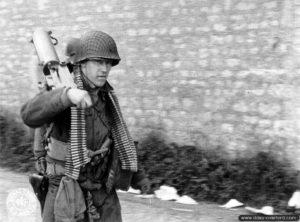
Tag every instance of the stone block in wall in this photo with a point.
(219, 27)
(255, 92)
(269, 109)
(265, 123)
(241, 107)
(281, 91)
(232, 62)
(270, 5)
(169, 123)
(245, 6)
(227, 128)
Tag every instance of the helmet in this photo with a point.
(97, 45)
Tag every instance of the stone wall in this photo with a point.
(203, 72)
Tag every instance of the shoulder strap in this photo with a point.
(49, 131)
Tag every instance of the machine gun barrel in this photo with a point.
(56, 73)
(45, 50)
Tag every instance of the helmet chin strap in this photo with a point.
(87, 82)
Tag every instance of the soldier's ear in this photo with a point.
(83, 67)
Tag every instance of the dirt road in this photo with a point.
(18, 204)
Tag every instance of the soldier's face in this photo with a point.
(97, 71)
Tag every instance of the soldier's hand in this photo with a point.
(80, 98)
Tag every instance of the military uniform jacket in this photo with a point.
(54, 107)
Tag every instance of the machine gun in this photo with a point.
(56, 74)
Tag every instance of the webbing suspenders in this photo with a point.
(49, 130)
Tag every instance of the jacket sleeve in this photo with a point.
(38, 145)
(44, 107)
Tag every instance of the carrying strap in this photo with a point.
(46, 137)
(49, 131)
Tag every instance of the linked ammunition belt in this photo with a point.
(77, 153)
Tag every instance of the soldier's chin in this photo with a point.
(100, 83)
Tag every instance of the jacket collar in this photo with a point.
(108, 87)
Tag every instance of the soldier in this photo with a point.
(71, 48)
(111, 152)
